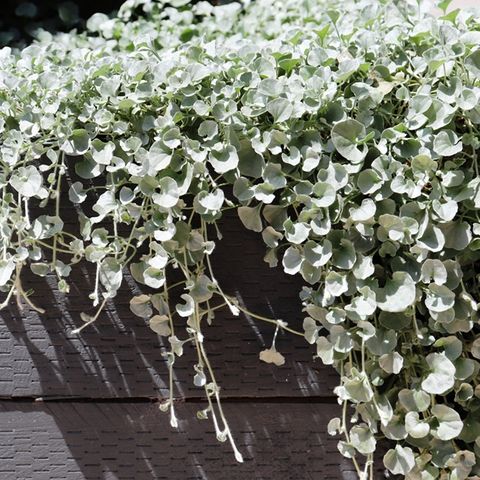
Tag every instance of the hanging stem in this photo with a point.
(57, 211)
(171, 361)
(21, 292)
(233, 308)
(203, 360)
(9, 296)
(93, 319)
(265, 319)
(345, 427)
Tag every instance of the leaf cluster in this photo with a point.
(349, 137)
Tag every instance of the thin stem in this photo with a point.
(57, 212)
(21, 292)
(345, 428)
(201, 363)
(234, 309)
(203, 359)
(50, 247)
(238, 455)
(93, 319)
(173, 418)
(363, 355)
(9, 296)
(269, 320)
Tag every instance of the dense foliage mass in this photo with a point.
(348, 133)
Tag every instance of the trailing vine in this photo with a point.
(345, 133)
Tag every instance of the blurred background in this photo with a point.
(20, 18)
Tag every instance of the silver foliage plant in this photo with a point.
(348, 133)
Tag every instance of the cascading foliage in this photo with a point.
(348, 133)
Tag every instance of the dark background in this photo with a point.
(49, 8)
(19, 18)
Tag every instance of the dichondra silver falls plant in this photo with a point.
(345, 133)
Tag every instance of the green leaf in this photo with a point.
(78, 143)
(317, 254)
(224, 159)
(439, 298)
(346, 137)
(27, 181)
(442, 374)
(364, 267)
(296, 233)
(111, 274)
(325, 351)
(398, 294)
(209, 202)
(76, 194)
(202, 289)
(391, 362)
(334, 15)
(250, 217)
(46, 226)
(270, 355)
(159, 324)
(449, 423)
(172, 138)
(159, 156)
(362, 439)
(475, 348)
(414, 400)
(364, 212)
(344, 255)
(435, 270)
(443, 5)
(271, 237)
(446, 211)
(27, 10)
(68, 13)
(447, 143)
(341, 339)
(399, 461)
(6, 269)
(102, 153)
(141, 306)
(336, 283)
(358, 388)
(105, 204)
(88, 169)
(177, 345)
(415, 427)
(208, 129)
(458, 235)
(383, 342)
(96, 21)
(169, 195)
(310, 274)
(292, 261)
(311, 329)
(325, 194)
(472, 64)
(369, 181)
(281, 109)
(40, 269)
(433, 239)
(186, 309)
(154, 277)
